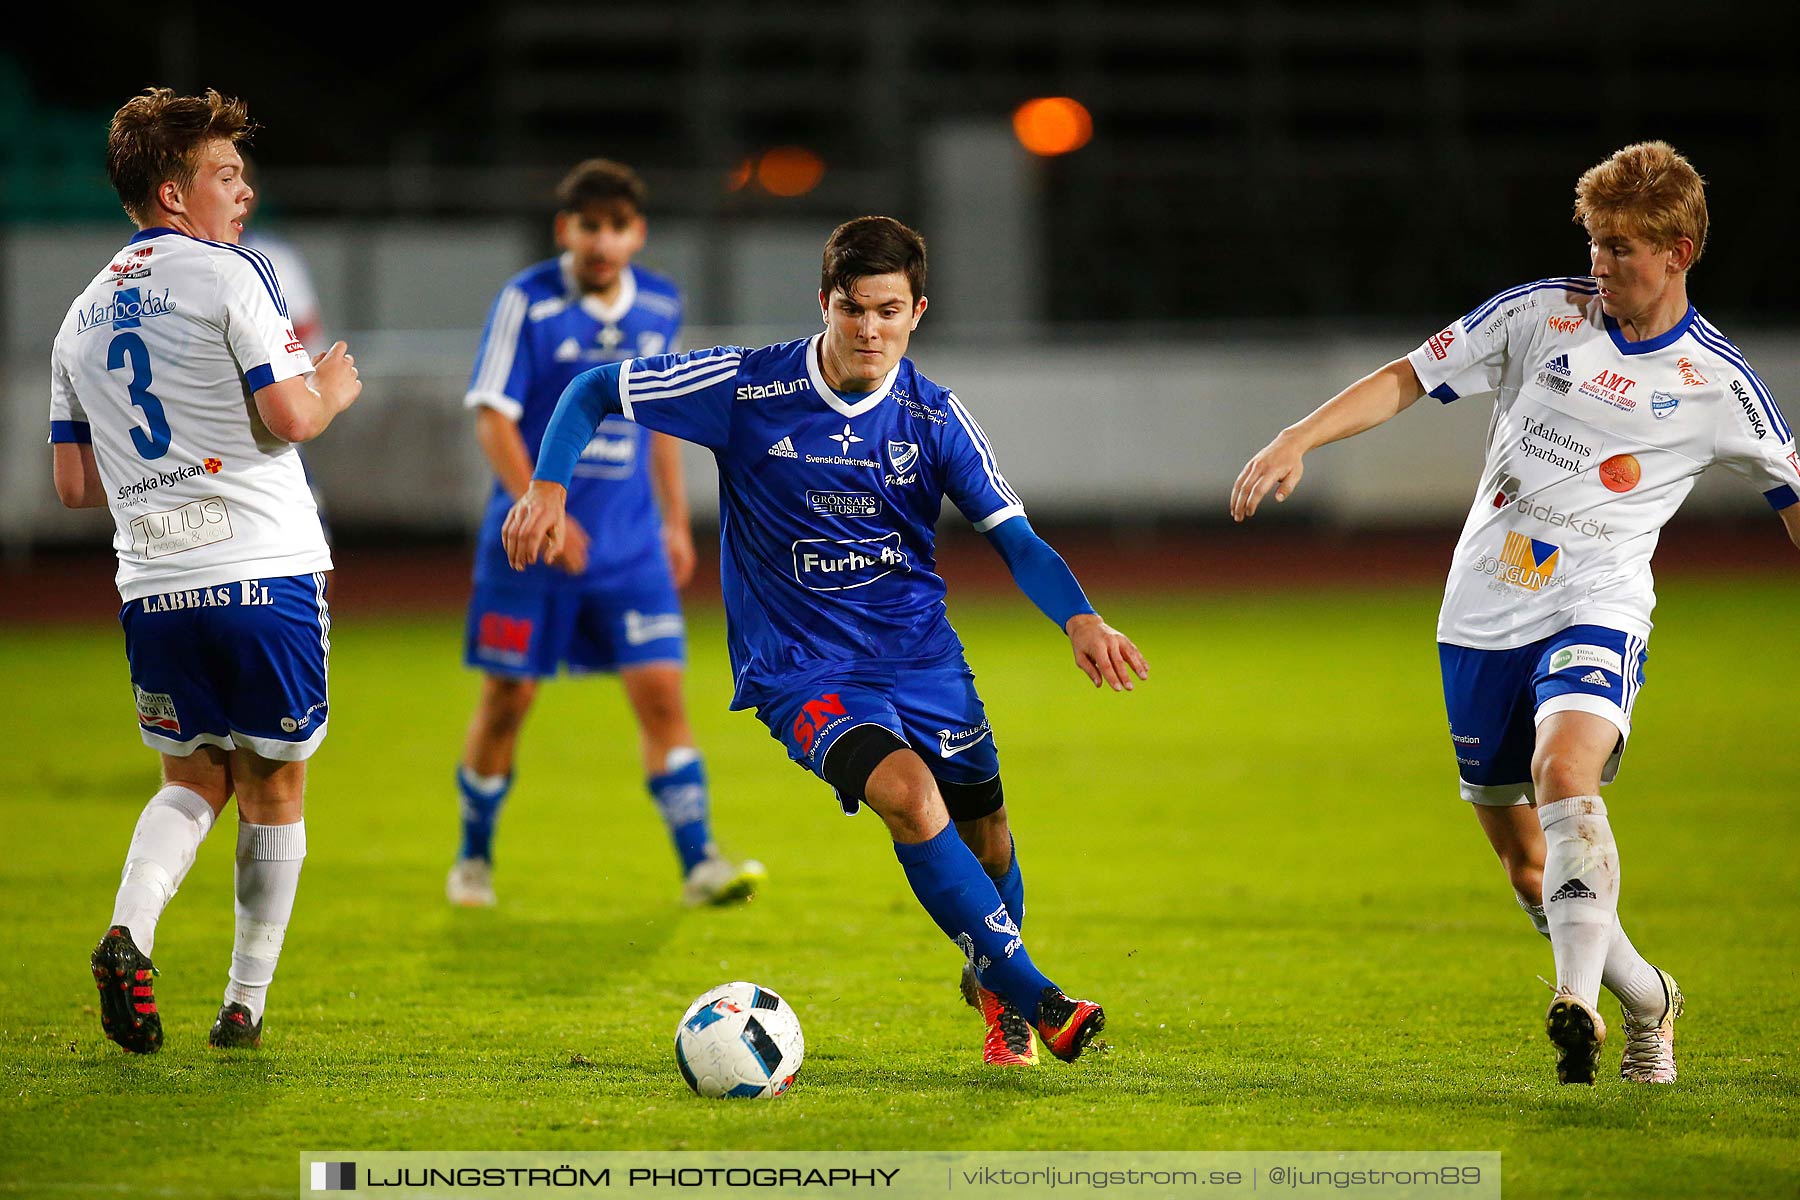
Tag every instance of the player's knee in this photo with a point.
(662, 718)
(874, 764)
(1527, 879)
(504, 703)
(1556, 773)
(853, 759)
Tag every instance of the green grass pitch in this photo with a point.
(1257, 862)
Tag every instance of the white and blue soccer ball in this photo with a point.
(739, 1041)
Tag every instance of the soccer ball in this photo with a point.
(739, 1041)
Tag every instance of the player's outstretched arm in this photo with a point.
(498, 436)
(534, 526)
(671, 498)
(1103, 653)
(300, 409)
(1363, 405)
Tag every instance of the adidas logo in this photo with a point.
(1573, 890)
(1558, 365)
(1597, 678)
(784, 449)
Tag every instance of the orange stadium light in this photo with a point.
(738, 177)
(790, 171)
(1052, 125)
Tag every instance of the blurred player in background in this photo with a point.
(1613, 394)
(297, 288)
(834, 457)
(609, 603)
(221, 558)
(289, 264)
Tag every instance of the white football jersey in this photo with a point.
(1594, 443)
(157, 363)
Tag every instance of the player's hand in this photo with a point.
(1104, 654)
(571, 552)
(534, 524)
(1276, 466)
(335, 377)
(678, 543)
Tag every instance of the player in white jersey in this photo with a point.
(178, 388)
(1612, 396)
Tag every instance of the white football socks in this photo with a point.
(1627, 975)
(269, 858)
(168, 836)
(1581, 891)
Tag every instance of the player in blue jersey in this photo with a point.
(835, 455)
(609, 603)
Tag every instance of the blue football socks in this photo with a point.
(681, 798)
(482, 797)
(948, 880)
(1011, 887)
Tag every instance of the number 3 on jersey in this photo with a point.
(154, 441)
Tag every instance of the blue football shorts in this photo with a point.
(525, 630)
(1497, 698)
(934, 709)
(236, 665)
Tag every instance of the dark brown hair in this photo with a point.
(600, 181)
(872, 246)
(159, 136)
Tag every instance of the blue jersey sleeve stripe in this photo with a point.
(259, 377)
(1443, 393)
(1567, 283)
(266, 267)
(1721, 345)
(1718, 343)
(267, 275)
(499, 343)
(1781, 497)
(79, 432)
(985, 451)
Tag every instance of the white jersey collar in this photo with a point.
(836, 402)
(593, 306)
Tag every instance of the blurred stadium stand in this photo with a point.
(1278, 198)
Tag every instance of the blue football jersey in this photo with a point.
(828, 504)
(541, 333)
